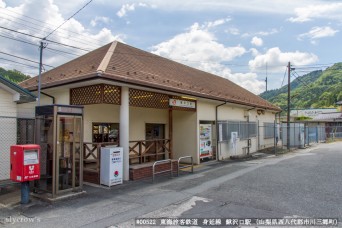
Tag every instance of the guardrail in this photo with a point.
(185, 166)
(164, 171)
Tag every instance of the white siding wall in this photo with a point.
(8, 131)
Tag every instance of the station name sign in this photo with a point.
(182, 103)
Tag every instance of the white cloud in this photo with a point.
(318, 11)
(276, 59)
(198, 47)
(233, 31)
(318, 32)
(71, 33)
(2, 4)
(197, 44)
(261, 33)
(254, 51)
(98, 19)
(268, 33)
(131, 7)
(212, 24)
(257, 41)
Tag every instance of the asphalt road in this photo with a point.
(302, 184)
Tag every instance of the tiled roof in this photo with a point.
(120, 62)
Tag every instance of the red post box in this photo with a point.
(25, 162)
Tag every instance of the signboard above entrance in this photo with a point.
(182, 103)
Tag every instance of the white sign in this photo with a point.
(311, 112)
(182, 103)
(31, 157)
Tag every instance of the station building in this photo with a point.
(154, 108)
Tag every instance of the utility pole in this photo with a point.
(266, 83)
(41, 47)
(266, 77)
(288, 103)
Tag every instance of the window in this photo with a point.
(244, 129)
(269, 130)
(247, 130)
(106, 132)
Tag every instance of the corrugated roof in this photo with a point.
(127, 64)
(25, 95)
(329, 116)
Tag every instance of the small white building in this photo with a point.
(14, 109)
(156, 108)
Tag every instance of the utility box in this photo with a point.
(25, 162)
(111, 166)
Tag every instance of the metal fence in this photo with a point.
(300, 134)
(13, 131)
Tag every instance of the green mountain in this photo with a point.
(318, 89)
(13, 75)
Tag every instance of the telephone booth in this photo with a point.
(59, 132)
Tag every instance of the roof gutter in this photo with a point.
(217, 130)
(52, 97)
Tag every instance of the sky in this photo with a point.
(244, 41)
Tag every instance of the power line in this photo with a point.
(24, 59)
(33, 44)
(48, 25)
(41, 29)
(19, 63)
(68, 19)
(41, 38)
(283, 78)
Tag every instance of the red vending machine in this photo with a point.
(25, 163)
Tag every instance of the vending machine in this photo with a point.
(205, 140)
(111, 166)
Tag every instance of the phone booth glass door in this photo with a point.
(68, 152)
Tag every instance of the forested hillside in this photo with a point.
(318, 89)
(13, 75)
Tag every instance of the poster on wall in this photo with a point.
(205, 140)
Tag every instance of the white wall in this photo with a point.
(232, 112)
(7, 105)
(103, 113)
(185, 135)
(8, 131)
(138, 117)
(26, 110)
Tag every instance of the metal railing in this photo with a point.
(163, 171)
(185, 166)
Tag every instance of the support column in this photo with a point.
(170, 133)
(124, 130)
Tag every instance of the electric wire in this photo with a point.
(29, 60)
(68, 19)
(41, 38)
(9, 60)
(48, 25)
(42, 29)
